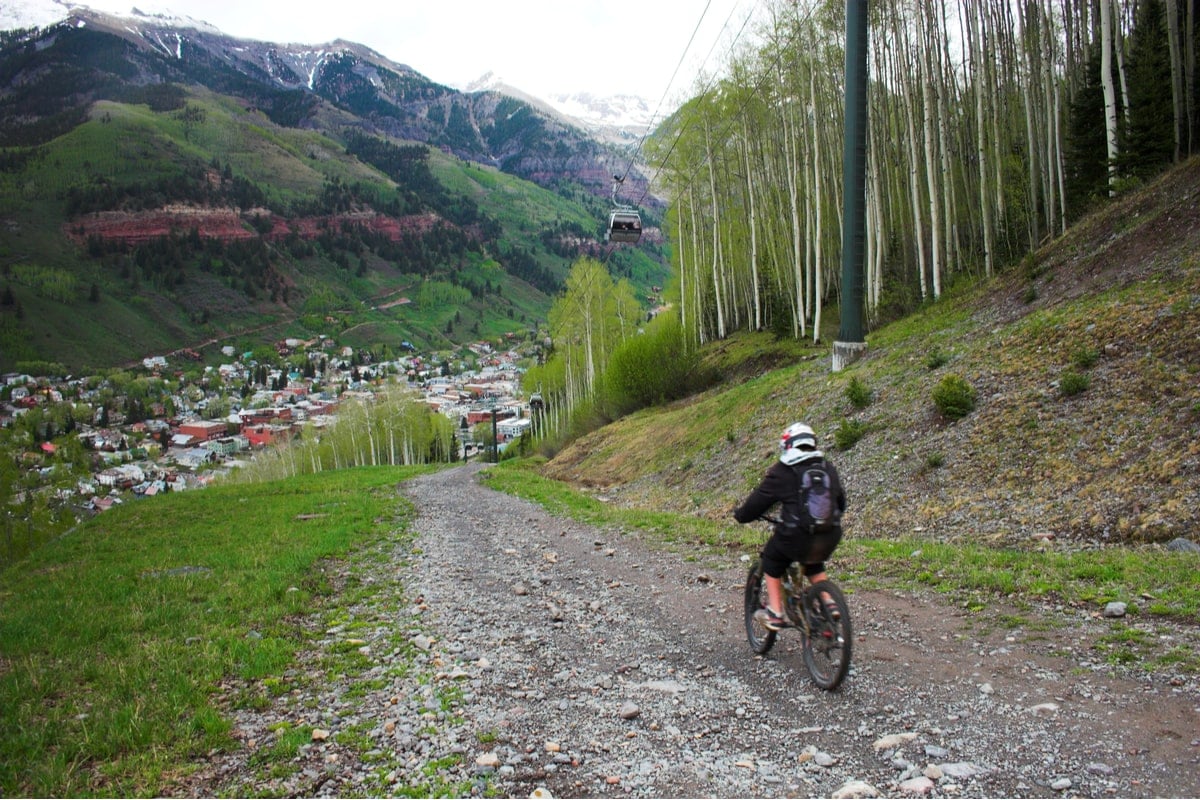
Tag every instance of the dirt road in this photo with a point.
(596, 666)
(509, 651)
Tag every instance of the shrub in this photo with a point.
(848, 433)
(954, 397)
(1073, 383)
(857, 393)
(1085, 357)
(934, 461)
(650, 368)
(935, 359)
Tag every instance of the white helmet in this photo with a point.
(797, 444)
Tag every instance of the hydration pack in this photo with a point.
(816, 496)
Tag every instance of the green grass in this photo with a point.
(518, 477)
(114, 638)
(1085, 578)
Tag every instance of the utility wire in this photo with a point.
(725, 130)
(691, 40)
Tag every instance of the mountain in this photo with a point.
(162, 177)
(491, 123)
(617, 119)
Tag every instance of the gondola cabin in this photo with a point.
(624, 225)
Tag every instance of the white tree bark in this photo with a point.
(931, 178)
(757, 299)
(975, 36)
(816, 202)
(716, 235)
(1110, 95)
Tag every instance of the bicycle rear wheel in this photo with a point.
(829, 639)
(758, 635)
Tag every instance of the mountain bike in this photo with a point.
(827, 637)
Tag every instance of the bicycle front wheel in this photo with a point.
(758, 635)
(829, 639)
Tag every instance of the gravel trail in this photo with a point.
(558, 659)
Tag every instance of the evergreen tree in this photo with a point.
(1086, 164)
(1148, 139)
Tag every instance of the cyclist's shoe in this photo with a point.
(770, 620)
(831, 606)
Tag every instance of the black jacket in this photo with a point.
(781, 485)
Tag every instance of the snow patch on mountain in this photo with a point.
(621, 119)
(617, 119)
(19, 14)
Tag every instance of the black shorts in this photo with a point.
(810, 549)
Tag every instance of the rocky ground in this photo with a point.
(528, 655)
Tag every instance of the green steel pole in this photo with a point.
(851, 343)
(495, 438)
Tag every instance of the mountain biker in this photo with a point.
(793, 539)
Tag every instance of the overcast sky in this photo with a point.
(544, 47)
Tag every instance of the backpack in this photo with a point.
(816, 496)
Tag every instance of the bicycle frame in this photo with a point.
(818, 611)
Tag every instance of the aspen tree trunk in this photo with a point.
(683, 281)
(1051, 182)
(1119, 56)
(931, 178)
(942, 88)
(875, 208)
(716, 229)
(995, 93)
(757, 301)
(589, 382)
(975, 36)
(370, 436)
(914, 158)
(817, 203)
(1027, 56)
(700, 324)
(1058, 157)
(1110, 98)
(792, 156)
(734, 299)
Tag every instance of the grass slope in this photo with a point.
(120, 642)
(1115, 304)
